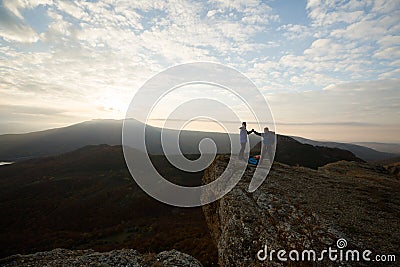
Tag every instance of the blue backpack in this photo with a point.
(253, 161)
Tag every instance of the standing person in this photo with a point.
(268, 138)
(243, 139)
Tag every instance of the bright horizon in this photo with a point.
(329, 70)
(250, 125)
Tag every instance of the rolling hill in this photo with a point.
(86, 199)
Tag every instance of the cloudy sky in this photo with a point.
(329, 69)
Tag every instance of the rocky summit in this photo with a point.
(124, 257)
(299, 209)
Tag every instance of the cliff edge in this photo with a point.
(298, 208)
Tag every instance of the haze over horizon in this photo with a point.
(330, 70)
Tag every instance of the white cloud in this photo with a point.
(13, 28)
(391, 74)
(92, 56)
(352, 40)
(388, 53)
(385, 6)
(18, 33)
(72, 9)
(16, 5)
(371, 103)
(295, 31)
(389, 40)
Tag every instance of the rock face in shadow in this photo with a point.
(299, 208)
(124, 257)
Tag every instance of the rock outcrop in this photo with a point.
(299, 208)
(124, 257)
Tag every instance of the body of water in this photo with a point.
(5, 163)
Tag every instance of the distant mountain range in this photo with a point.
(383, 147)
(16, 147)
(363, 152)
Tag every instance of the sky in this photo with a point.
(330, 70)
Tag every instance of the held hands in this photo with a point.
(252, 131)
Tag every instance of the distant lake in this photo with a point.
(5, 163)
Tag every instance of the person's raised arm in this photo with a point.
(257, 133)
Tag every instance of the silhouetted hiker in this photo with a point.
(268, 138)
(243, 140)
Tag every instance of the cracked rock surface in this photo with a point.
(299, 208)
(123, 258)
